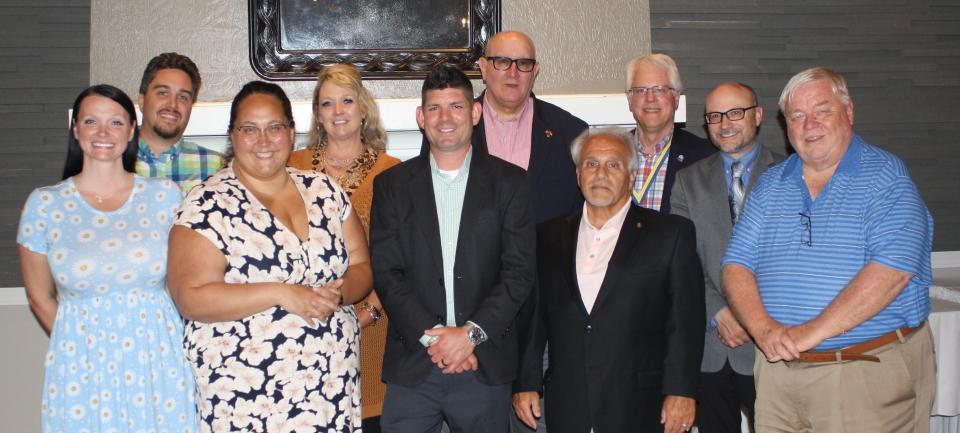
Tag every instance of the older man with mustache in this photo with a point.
(620, 294)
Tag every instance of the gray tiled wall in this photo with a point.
(901, 59)
(44, 63)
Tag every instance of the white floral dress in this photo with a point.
(115, 362)
(272, 372)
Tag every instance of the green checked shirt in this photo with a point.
(185, 163)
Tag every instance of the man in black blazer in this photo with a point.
(653, 94)
(453, 247)
(510, 69)
(620, 302)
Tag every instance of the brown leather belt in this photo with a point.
(858, 352)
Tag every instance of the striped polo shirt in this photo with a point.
(804, 252)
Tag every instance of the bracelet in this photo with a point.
(372, 309)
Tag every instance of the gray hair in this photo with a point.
(617, 133)
(662, 61)
(837, 84)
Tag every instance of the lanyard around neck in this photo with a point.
(639, 195)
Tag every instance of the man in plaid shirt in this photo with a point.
(653, 94)
(168, 90)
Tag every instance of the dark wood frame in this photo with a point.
(272, 63)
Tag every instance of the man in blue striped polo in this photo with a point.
(829, 271)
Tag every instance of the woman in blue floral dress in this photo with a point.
(93, 257)
(264, 263)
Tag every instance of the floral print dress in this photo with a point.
(115, 362)
(272, 372)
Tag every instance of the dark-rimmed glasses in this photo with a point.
(732, 114)
(504, 63)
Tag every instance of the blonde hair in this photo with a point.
(372, 133)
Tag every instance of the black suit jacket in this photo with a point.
(552, 174)
(685, 150)
(494, 269)
(610, 368)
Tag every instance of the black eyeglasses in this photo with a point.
(806, 235)
(504, 63)
(732, 115)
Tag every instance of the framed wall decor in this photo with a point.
(383, 39)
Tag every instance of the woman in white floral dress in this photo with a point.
(264, 263)
(93, 254)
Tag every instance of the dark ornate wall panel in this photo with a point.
(44, 63)
(901, 59)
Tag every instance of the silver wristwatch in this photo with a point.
(475, 333)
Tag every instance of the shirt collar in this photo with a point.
(144, 152)
(615, 221)
(747, 160)
(464, 167)
(658, 147)
(493, 115)
(849, 164)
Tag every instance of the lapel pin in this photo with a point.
(548, 133)
(680, 158)
(639, 225)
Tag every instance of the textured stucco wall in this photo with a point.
(582, 45)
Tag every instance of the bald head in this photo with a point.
(735, 136)
(508, 89)
(510, 38)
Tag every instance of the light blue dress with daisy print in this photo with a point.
(115, 361)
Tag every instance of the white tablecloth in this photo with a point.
(945, 324)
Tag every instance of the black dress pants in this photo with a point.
(723, 394)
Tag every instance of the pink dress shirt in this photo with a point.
(509, 140)
(594, 248)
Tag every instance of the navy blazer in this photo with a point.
(494, 266)
(552, 174)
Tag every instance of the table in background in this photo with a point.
(945, 324)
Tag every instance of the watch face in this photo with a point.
(476, 337)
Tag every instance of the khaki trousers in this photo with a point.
(891, 396)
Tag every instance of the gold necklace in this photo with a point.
(321, 158)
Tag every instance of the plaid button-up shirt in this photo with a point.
(185, 163)
(654, 194)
